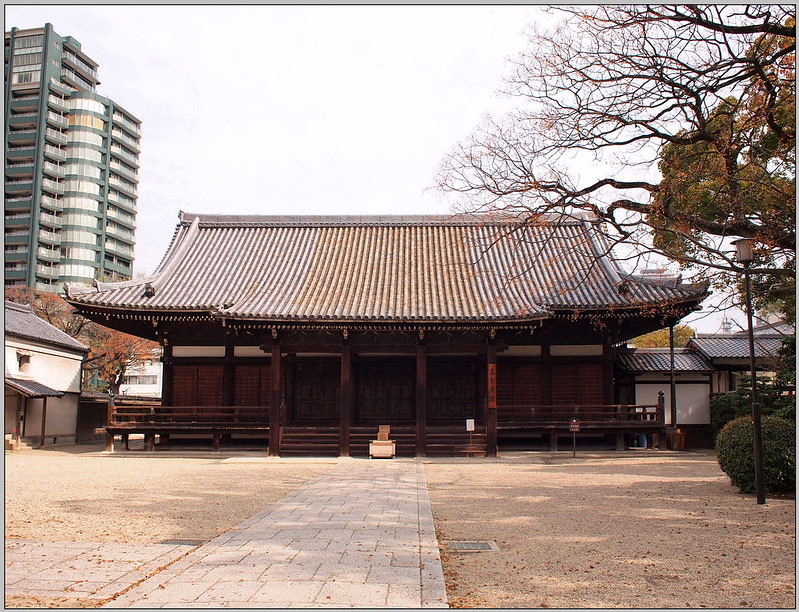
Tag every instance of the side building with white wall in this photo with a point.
(42, 379)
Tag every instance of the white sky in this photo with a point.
(292, 109)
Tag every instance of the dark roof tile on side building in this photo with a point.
(21, 321)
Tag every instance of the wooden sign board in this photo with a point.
(492, 386)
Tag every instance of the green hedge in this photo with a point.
(728, 406)
(735, 451)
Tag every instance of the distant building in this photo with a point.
(143, 380)
(42, 378)
(71, 162)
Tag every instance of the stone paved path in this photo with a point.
(361, 535)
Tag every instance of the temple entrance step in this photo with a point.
(309, 442)
(456, 443)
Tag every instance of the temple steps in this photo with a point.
(309, 442)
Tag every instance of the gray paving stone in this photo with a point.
(361, 535)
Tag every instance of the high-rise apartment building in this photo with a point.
(71, 167)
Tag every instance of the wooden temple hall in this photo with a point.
(305, 335)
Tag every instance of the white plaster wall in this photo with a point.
(58, 369)
(693, 401)
(522, 351)
(249, 351)
(575, 350)
(198, 351)
(61, 419)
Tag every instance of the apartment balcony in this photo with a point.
(23, 121)
(18, 203)
(48, 254)
(88, 71)
(126, 220)
(16, 237)
(133, 129)
(126, 188)
(51, 203)
(18, 221)
(18, 169)
(119, 249)
(49, 237)
(16, 256)
(130, 174)
(120, 232)
(22, 137)
(55, 135)
(15, 273)
(124, 154)
(52, 186)
(19, 186)
(53, 169)
(120, 135)
(50, 220)
(55, 152)
(122, 201)
(57, 102)
(56, 119)
(25, 151)
(25, 103)
(47, 271)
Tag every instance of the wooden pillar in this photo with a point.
(421, 399)
(491, 412)
(167, 374)
(109, 420)
(346, 400)
(546, 373)
(18, 420)
(607, 372)
(228, 370)
(274, 408)
(44, 421)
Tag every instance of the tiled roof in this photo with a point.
(659, 360)
(383, 268)
(724, 346)
(20, 321)
(31, 388)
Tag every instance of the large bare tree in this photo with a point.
(673, 126)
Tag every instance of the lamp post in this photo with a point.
(744, 255)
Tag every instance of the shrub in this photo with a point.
(735, 451)
(728, 406)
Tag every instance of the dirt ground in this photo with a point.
(640, 529)
(636, 530)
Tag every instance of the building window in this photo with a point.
(23, 362)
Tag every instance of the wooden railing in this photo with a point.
(652, 414)
(199, 415)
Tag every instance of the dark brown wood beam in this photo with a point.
(228, 370)
(346, 400)
(491, 412)
(421, 399)
(274, 408)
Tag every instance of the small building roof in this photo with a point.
(727, 346)
(20, 321)
(639, 360)
(31, 388)
(384, 268)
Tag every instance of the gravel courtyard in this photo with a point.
(640, 529)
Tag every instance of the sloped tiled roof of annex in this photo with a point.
(31, 388)
(20, 321)
(725, 346)
(383, 268)
(659, 360)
